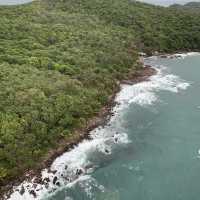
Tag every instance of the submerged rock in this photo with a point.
(107, 151)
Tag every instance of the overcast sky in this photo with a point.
(168, 2)
(10, 2)
(159, 2)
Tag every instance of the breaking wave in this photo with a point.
(184, 55)
(76, 166)
(145, 93)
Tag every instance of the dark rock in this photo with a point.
(38, 180)
(58, 183)
(55, 179)
(116, 139)
(22, 190)
(53, 172)
(107, 151)
(79, 171)
(47, 180)
(32, 192)
(163, 56)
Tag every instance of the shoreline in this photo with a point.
(79, 135)
(176, 54)
(101, 119)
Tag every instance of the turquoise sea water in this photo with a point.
(150, 148)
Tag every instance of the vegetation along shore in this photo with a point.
(101, 119)
(62, 61)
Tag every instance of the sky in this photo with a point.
(168, 2)
(158, 2)
(10, 2)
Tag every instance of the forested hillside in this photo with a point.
(61, 59)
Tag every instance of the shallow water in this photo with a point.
(148, 151)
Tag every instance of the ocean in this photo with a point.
(149, 150)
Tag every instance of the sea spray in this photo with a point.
(144, 93)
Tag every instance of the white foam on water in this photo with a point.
(176, 56)
(181, 55)
(198, 153)
(74, 167)
(184, 55)
(145, 93)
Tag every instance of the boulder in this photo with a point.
(55, 179)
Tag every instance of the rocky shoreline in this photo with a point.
(66, 145)
(173, 55)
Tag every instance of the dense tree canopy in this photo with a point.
(61, 59)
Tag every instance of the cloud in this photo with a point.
(168, 2)
(11, 2)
